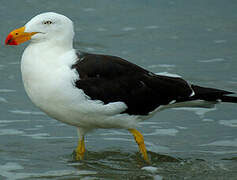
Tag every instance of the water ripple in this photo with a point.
(229, 123)
(212, 60)
(26, 112)
(8, 170)
(163, 132)
(7, 90)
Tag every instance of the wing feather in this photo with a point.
(113, 79)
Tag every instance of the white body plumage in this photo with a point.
(49, 82)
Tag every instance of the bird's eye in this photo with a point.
(47, 22)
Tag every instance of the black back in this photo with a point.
(112, 79)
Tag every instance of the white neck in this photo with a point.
(41, 58)
(48, 53)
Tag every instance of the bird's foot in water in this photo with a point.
(78, 154)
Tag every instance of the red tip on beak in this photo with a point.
(18, 36)
(10, 41)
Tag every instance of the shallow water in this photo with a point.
(196, 40)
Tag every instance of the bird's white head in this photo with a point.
(46, 27)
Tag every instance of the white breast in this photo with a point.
(48, 80)
(47, 77)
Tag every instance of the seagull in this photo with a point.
(91, 91)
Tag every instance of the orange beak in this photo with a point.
(18, 36)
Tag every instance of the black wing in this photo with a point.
(112, 79)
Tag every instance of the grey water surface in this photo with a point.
(195, 39)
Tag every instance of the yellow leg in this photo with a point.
(80, 150)
(140, 142)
